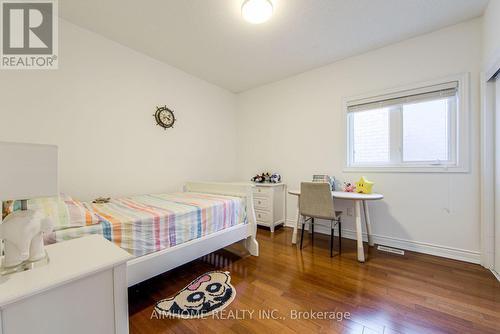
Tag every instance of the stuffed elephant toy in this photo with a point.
(23, 235)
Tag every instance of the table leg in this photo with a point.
(294, 234)
(368, 224)
(359, 232)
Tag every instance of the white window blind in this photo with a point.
(416, 127)
(415, 95)
(371, 136)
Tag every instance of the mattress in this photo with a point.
(149, 223)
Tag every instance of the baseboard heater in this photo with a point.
(391, 250)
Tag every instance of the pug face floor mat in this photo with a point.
(206, 295)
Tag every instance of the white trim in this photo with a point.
(150, 265)
(415, 246)
(497, 275)
(462, 146)
(405, 169)
(487, 173)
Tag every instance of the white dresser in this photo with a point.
(270, 204)
(83, 289)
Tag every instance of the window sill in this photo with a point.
(408, 169)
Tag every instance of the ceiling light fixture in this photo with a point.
(257, 11)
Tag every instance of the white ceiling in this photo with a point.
(209, 39)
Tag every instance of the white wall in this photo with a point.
(98, 108)
(491, 33)
(295, 127)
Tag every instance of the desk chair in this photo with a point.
(316, 201)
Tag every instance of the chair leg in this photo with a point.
(312, 231)
(340, 236)
(331, 239)
(302, 234)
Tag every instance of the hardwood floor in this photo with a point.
(388, 294)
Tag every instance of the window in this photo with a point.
(414, 129)
(371, 136)
(426, 130)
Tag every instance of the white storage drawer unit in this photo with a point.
(269, 202)
(82, 290)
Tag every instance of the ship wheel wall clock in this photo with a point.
(164, 117)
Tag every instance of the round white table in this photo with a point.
(359, 199)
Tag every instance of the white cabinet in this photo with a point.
(269, 202)
(83, 289)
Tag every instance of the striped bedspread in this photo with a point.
(149, 223)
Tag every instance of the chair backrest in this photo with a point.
(316, 200)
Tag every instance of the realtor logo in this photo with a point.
(29, 34)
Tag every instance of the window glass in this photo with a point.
(426, 132)
(371, 136)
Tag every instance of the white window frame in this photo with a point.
(459, 136)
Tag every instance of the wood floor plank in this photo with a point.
(389, 294)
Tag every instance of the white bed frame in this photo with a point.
(150, 265)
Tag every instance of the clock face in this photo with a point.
(164, 117)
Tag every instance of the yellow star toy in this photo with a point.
(364, 186)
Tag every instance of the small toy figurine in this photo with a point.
(363, 186)
(275, 178)
(258, 178)
(266, 178)
(348, 187)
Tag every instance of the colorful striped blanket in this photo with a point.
(149, 223)
(64, 211)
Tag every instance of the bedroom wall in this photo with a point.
(98, 106)
(295, 127)
(491, 29)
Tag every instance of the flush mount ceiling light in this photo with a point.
(257, 11)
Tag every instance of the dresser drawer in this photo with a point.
(263, 203)
(262, 192)
(263, 216)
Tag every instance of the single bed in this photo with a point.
(149, 223)
(162, 231)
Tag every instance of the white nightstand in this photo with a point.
(83, 290)
(270, 204)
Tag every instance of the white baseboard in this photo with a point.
(497, 275)
(415, 246)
